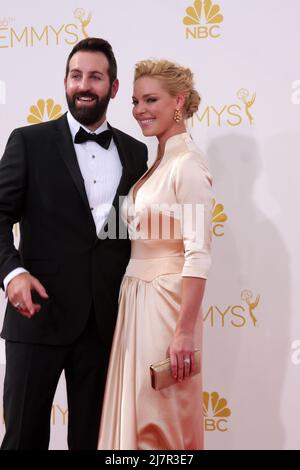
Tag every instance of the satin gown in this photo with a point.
(165, 247)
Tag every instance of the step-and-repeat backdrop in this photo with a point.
(245, 56)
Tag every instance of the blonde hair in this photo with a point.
(176, 79)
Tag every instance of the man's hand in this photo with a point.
(19, 293)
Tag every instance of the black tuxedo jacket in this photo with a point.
(42, 188)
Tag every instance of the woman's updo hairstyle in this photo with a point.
(175, 78)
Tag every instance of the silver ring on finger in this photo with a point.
(18, 305)
(187, 360)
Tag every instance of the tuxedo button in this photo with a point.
(93, 156)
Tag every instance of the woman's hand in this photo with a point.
(182, 348)
(182, 355)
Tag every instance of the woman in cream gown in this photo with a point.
(161, 293)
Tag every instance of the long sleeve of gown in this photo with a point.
(193, 192)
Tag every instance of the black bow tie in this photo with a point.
(103, 139)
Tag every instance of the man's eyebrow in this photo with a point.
(97, 71)
(92, 71)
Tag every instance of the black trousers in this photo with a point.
(31, 378)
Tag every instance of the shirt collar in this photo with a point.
(176, 144)
(75, 126)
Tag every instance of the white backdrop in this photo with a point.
(245, 56)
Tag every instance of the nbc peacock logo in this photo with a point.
(203, 20)
(218, 219)
(44, 110)
(216, 412)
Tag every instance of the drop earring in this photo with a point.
(177, 115)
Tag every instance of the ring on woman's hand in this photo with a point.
(187, 360)
(17, 305)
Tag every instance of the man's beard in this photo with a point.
(88, 115)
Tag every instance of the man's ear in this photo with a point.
(114, 88)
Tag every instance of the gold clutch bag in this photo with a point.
(161, 375)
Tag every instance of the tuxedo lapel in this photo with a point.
(125, 183)
(126, 177)
(68, 154)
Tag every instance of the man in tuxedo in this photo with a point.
(62, 181)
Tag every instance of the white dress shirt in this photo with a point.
(101, 170)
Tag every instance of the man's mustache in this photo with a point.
(85, 95)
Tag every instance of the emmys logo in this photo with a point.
(2, 92)
(37, 111)
(47, 35)
(243, 95)
(80, 14)
(202, 20)
(295, 358)
(59, 415)
(295, 98)
(215, 411)
(218, 219)
(232, 114)
(235, 316)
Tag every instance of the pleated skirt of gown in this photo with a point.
(135, 416)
